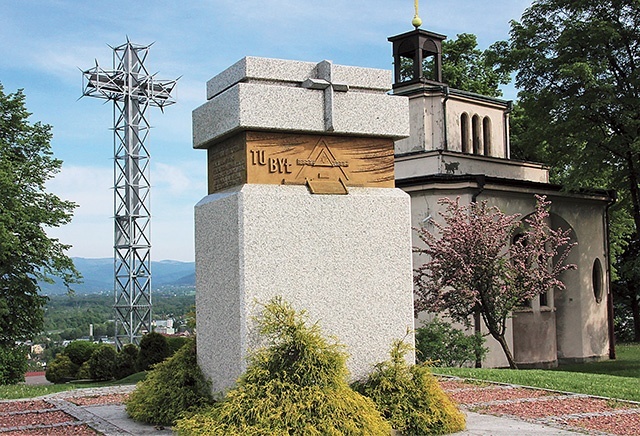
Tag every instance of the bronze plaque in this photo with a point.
(227, 166)
(327, 164)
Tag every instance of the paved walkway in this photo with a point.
(522, 412)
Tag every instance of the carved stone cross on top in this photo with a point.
(325, 82)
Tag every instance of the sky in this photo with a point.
(45, 45)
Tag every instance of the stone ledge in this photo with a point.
(261, 107)
(282, 71)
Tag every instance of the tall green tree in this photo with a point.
(577, 65)
(466, 67)
(27, 254)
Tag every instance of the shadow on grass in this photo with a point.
(626, 364)
(618, 378)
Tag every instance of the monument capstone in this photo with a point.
(301, 204)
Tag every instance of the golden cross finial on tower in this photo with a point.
(417, 22)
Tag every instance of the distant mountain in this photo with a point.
(98, 276)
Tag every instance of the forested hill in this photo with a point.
(98, 276)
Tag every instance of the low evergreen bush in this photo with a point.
(80, 351)
(174, 386)
(174, 343)
(125, 364)
(440, 344)
(13, 364)
(102, 362)
(294, 385)
(61, 369)
(410, 397)
(153, 349)
(83, 372)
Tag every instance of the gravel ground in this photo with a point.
(500, 393)
(623, 424)
(20, 419)
(43, 416)
(559, 407)
(67, 430)
(567, 411)
(20, 406)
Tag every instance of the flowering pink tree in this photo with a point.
(473, 268)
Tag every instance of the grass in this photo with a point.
(15, 392)
(626, 364)
(618, 378)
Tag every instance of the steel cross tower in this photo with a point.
(132, 89)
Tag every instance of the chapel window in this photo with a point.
(544, 299)
(464, 133)
(486, 135)
(476, 134)
(597, 280)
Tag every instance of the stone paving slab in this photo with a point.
(116, 414)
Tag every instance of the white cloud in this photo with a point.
(89, 187)
(91, 231)
(176, 190)
(44, 42)
(178, 179)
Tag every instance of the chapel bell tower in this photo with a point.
(443, 118)
(458, 147)
(417, 59)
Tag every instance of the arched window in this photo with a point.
(476, 134)
(405, 72)
(430, 60)
(464, 131)
(486, 135)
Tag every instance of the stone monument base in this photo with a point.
(345, 259)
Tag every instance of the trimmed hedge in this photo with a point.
(102, 362)
(80, 351)
(153, 349)
(13, 364)
(440, 344)
(295, 385)
(125, 364)
(410, 397)
(174, 386)
(61, 369)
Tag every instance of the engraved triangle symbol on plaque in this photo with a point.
(324, 159)
(322, 164)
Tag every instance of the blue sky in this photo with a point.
(45, 44)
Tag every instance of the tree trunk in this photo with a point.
(634, 187)
(498, 335)
(635, 310)
(478, 329)
(507, 352)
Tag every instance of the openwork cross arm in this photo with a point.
(132, 89)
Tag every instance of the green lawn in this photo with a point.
(626, 364)
(29, 391)
(618, 378)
